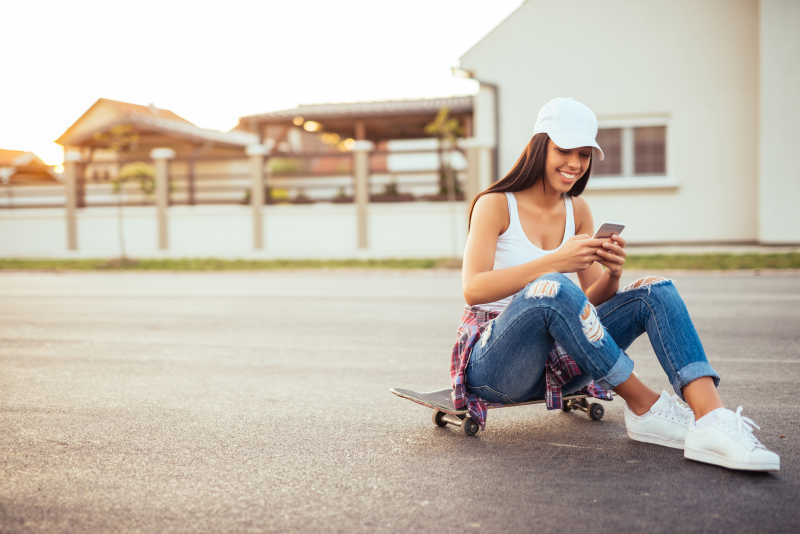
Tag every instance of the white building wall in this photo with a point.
(779, 159)
(485, 123)
(396, 230)
(692, 62)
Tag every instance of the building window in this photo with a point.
(632, 152)
(649, 150)
(611, 141)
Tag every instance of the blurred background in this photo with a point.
(364, 129)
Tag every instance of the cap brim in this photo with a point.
(569, 142)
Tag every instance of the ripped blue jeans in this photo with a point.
(507, 364)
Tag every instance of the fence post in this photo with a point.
(72, 166)
(162, 157)
(258, 153)
(479, 167)
(361, 150)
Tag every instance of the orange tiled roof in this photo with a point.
(13, 158)
(127, 107)
(26, 168)
(152, 117)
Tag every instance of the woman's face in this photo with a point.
(564, 167)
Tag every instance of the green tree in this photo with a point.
(140, 172)
(122, 139)
(447, 130)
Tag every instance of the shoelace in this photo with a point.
(744, 426)
(684, 413)
(676, 410)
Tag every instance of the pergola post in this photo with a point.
(161, 156)
(258, 153)
(72, 167)
(361, 150)
(190, 180)
(479, 167)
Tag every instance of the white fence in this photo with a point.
(322, 230)
(228, 190)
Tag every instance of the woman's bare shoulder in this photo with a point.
(494, 200)
(492, 209)
(583, 215)
(579, 203)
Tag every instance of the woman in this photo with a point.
(529, 332)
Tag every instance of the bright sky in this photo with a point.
(212, 62)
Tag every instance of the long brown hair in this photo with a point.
(528, 171)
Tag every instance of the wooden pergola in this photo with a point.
(362, 121)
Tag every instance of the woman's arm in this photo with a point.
(604, 287)
(481, 284)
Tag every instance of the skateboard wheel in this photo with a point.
(596, 411)
(470, 427)
(437, 419)
(566, 405)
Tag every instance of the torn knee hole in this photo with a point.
(644, 282)
(590, 323)
(542, 288)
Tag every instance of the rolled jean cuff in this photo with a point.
(691, 372)
(618, 374)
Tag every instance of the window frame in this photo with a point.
(627, 180)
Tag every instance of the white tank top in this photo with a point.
(514, 247)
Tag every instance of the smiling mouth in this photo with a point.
(568, 175)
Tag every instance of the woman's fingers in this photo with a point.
(613, 267)
(610, 256)
(614, 248)
(621, 242)
(613, 254)
(592, 244)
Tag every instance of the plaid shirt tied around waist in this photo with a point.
(559, 369)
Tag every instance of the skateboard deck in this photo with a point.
(444, 413)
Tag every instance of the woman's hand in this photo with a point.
(612, 255)
(577, 254)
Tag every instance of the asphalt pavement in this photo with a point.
(259, 402)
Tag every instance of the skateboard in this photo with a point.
(445, 414)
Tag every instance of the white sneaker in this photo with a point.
(725, 438)
(665, 423)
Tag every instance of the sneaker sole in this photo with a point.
(717, 459)
(655, 440)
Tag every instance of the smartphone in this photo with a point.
(608, 228)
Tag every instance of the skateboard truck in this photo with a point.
(595, 410)
(466, 423)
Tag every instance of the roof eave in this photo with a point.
(63, 137)
(347, 110)
(179, 129)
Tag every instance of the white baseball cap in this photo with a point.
(569, 123)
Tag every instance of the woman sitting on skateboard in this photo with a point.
(529, 332)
